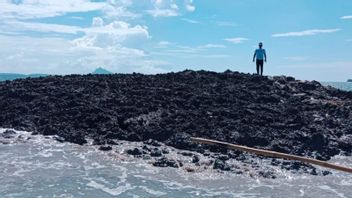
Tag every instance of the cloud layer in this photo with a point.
(236, 40)
(169, 8)
(346, 17)
(31, 9)
(306, 32)
(110, 41)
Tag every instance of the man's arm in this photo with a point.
(255, 53)
(264, 56)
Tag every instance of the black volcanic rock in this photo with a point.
(221, 165)
(156, 153)
(105, 148)
(279, 113)
(8, 134)
(135, 151)
(165, 162)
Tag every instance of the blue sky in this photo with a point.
(307, 39)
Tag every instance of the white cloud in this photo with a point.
(117, 9)
(120, 30)
(23, 54)
(207, 46)
(14, 26)
(113, 9)
(169, 8)
(236, 40)
(164, 44)
(189, 6)
(306, 33)
(116, 33)
(190, 21)
(77, 18)
(97, 22)
(174, 6)
(30, 9)
(6, 32)
(35, 55)
(158, 2)
(117, 28)
(163, 12)
(111, 41)
(164, 8)
(117, 46)
(33, 9)
(346, 17)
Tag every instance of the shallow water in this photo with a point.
(43, 167)
(347, 86)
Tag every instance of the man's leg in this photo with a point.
(261, 69)
(257, 63)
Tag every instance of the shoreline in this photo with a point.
(160, 155)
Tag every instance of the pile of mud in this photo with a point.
(276, 113)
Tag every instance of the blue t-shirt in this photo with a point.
(260, 54)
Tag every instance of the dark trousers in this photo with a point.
(260, 64)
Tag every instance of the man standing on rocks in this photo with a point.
(260, 57)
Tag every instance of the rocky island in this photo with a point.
(275, 113)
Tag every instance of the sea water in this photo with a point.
(347, 86)
(37, 166)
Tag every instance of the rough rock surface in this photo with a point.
(278, 113)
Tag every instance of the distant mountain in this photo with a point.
(13, 76)
(349, 80)
(100, 70)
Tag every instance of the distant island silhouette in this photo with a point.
(101, 70)
(14, 76)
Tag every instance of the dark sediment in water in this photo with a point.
(279, 113)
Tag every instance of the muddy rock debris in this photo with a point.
(277, 113)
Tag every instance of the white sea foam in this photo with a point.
(112, 191)
(153, 192)
(37, 165)
(329, 188)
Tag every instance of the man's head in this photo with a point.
(260, 45)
